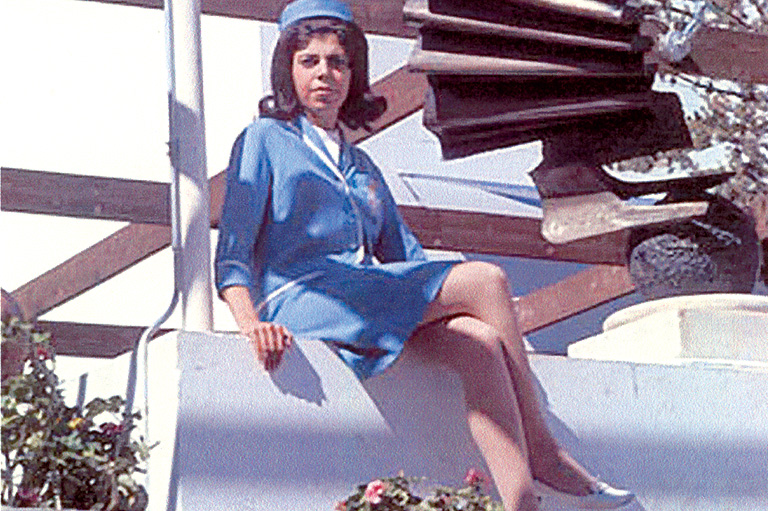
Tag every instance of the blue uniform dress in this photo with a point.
(322, 247)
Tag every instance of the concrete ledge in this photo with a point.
(727, 328)
(687, 438)
(305, 436)
(682, 437)
(690, 437)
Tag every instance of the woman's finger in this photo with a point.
(258, 344)
(278, 339)
(287, 337)
(270, 348)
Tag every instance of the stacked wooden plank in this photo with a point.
(511, 71)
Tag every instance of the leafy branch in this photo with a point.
(59, 456)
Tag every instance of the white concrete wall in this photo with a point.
(683, 437)
(723, 328)
(307, 435)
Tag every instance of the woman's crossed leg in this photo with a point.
(471, 327)
(474, 350)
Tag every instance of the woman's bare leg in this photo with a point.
(481, 290)
(473, 349)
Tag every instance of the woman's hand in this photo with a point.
(268, 342)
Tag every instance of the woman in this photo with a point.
(311, 244)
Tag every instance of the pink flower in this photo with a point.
(112, 429)
(341, 506)
(474, 477)
(26, 497)
(42, 353)
(374, 491)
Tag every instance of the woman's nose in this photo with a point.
(323, 67)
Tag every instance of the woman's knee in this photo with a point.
(480, 344)
(478, 275)
(457, 339)
(468, 289)
(479, 361)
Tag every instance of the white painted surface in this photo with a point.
(189, 159)
(682, 437)
(307, 435)
(728, 328)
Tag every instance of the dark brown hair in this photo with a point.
(360, 107)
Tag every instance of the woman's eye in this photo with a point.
(338, 62)
(309, 62)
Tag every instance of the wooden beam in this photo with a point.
(572, 295)
(404, 91)
(94, 265)
(127, 200)
(444, 229)
(715, 52)
(383, 17)
(541, 308)
(467, 231)
(461, 231)
(93, 340)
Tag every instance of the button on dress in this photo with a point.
(321, 246)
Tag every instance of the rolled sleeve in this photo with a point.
(245, 206)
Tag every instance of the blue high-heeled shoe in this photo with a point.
(602, 496)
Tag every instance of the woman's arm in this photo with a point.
(268, 340)
(245, 205)
(396, 241)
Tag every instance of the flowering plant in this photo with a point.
(395, 494)
(60, 456)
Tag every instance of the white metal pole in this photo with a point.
(188, 143)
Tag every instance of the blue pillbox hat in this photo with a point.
(303, 9)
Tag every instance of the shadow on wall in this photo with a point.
(418, 400)
(299, 379)
(423, 406)
(310, 431)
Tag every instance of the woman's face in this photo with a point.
(321, 76)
